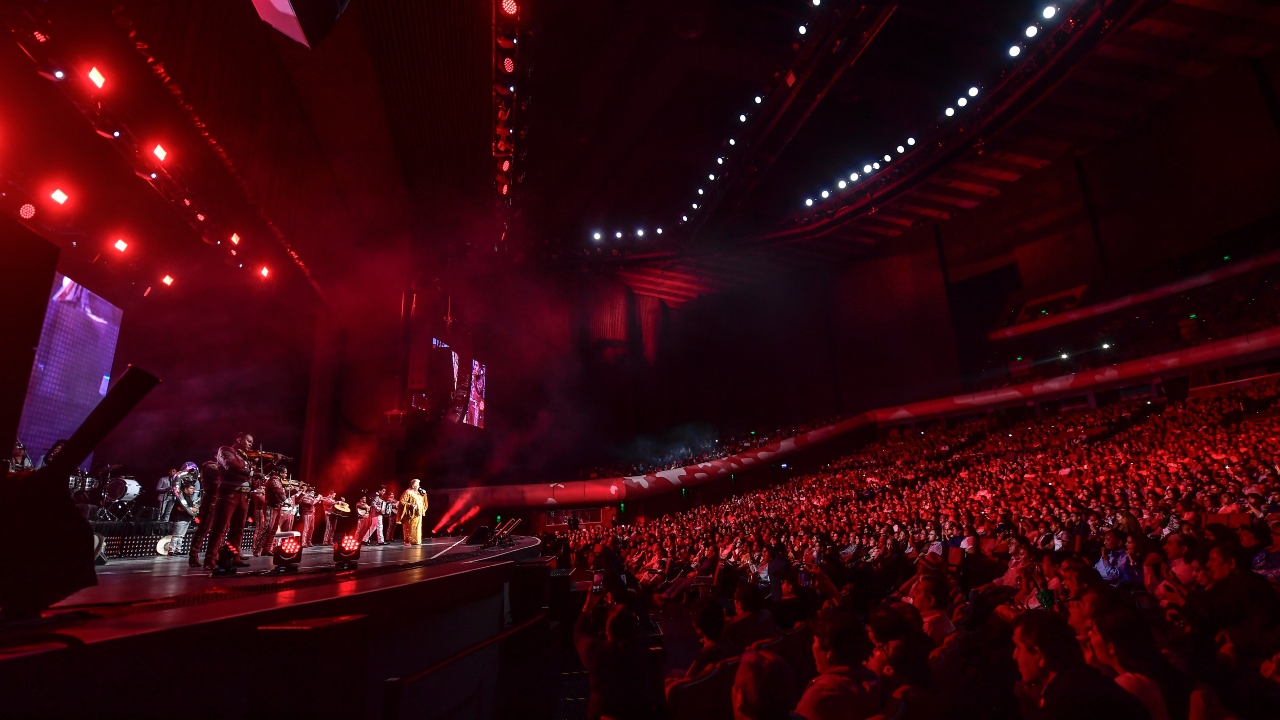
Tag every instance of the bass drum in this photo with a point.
(122, 489)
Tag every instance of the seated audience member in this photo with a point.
(907, 681)
(931, 595)
(708, 622)
(1114, 565)
(1056, 678)
(752, 621)
(764, 688)
(1122, 643)
(797, 603)
(844, 688)
(625, 678)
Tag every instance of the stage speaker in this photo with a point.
(306, 21)
(30, 262)
(480, 536)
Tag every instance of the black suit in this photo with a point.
(1084, 693)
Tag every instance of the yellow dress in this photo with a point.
(413, 506)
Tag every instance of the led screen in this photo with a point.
(73, 365)
(475, 404)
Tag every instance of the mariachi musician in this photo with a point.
(391, 509)
(329, 503)
(209, 481)
(307, 507)
(273, 494)
(234, 487)
(289, 510)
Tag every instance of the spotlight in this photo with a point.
(506, 165)
(684, 218)
(508, 65)
(153, 176)
(911, 141)
(167, 280)
(887, 158)
(711, 176)
(1064, 356)
(1032, 30)
(640, 232)
(731, 142)
(842, 184)
(875, 166)
(853, 177)
(719, 161)
(816, 3)
(97, 77)
(825, 194)
(287, 554)
(695, 206)
(659, 231)
(235, 239)
(265, 272)
(1049, 12)
(973, 92)
(160, 153)
(115, 134)
(951, 111)
(596, 236)
(27, 211)
(866, 168)
(510, 7)
(808, 202)
(58, 196)
(346, 551)
(962, 102)
(1106, 346)
(759, 99)
(1015, 51)
(58, 74)
(619, 233)
(121, 245)
(803, 29)
(699, 191)
(901, 149)
(741, 118)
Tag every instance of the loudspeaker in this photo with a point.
(306, 21)
(30, 262)
(480, 536)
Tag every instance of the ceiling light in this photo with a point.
(684, 218)
(167, 280)
(1106, 346)
(265, 272)
(97, 77)
(887, 158)
(58, 74)
(596, 236)
(731, 142)
(719, 161)
(1049, 12)
(853, 177)
(711, 176)
(1032, 30)
(619, 234)
(741, 118)
(962, 102)
(911, 141)
(160, 153)
(901, 149)
(659, 231)
(235, 239)
(951, 111)
(1064, 356)
(973, 92)
(120, 245)
(695, 206)
(875, 166)
(1014, 51)
(59, 196)
(699, 191)
(803, 30)
(153, 176)
(825, 194)
(866, 168)
(808, 202)
(640, 232)
(816, 3)
(842, 184)
(759, 99)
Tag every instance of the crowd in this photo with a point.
(1113, 563)
(692, 452)
(1231, 307)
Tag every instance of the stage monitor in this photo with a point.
(72, 368)
(475, 403)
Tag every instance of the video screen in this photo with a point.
(72, 368)
(475, 404)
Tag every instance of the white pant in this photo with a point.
(374, 524)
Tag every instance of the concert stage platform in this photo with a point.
(155, 633)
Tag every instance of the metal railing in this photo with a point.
(393, 688)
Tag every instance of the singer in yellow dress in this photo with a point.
(413, 506)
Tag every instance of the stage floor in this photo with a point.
(144, 595)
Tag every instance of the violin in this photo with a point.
(274, 457)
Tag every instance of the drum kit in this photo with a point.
(115, 495)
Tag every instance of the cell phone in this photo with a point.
(597, 589)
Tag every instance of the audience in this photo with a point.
(1114, 562)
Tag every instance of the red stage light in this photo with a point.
(290, 546)
(160, 153)
(265, 271)
(27, 211)
(510, 7)
(506, 165)
(350, 543)
(504, 189)
(121, 245)
(167, 280)
(59, 196)
(508, 65)
(97, 77)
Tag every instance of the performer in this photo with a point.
(186, 510)
(413, 505)
(307, 506)
(273, 490)
(364, 513)
(166, 494)
(53, 453)
(258, 503)
(234, 487)
(378, 507)
(209, 480)
(328, 502)
(391, 508)
(289, 510)
(19, 462)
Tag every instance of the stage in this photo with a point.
(402, 609)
